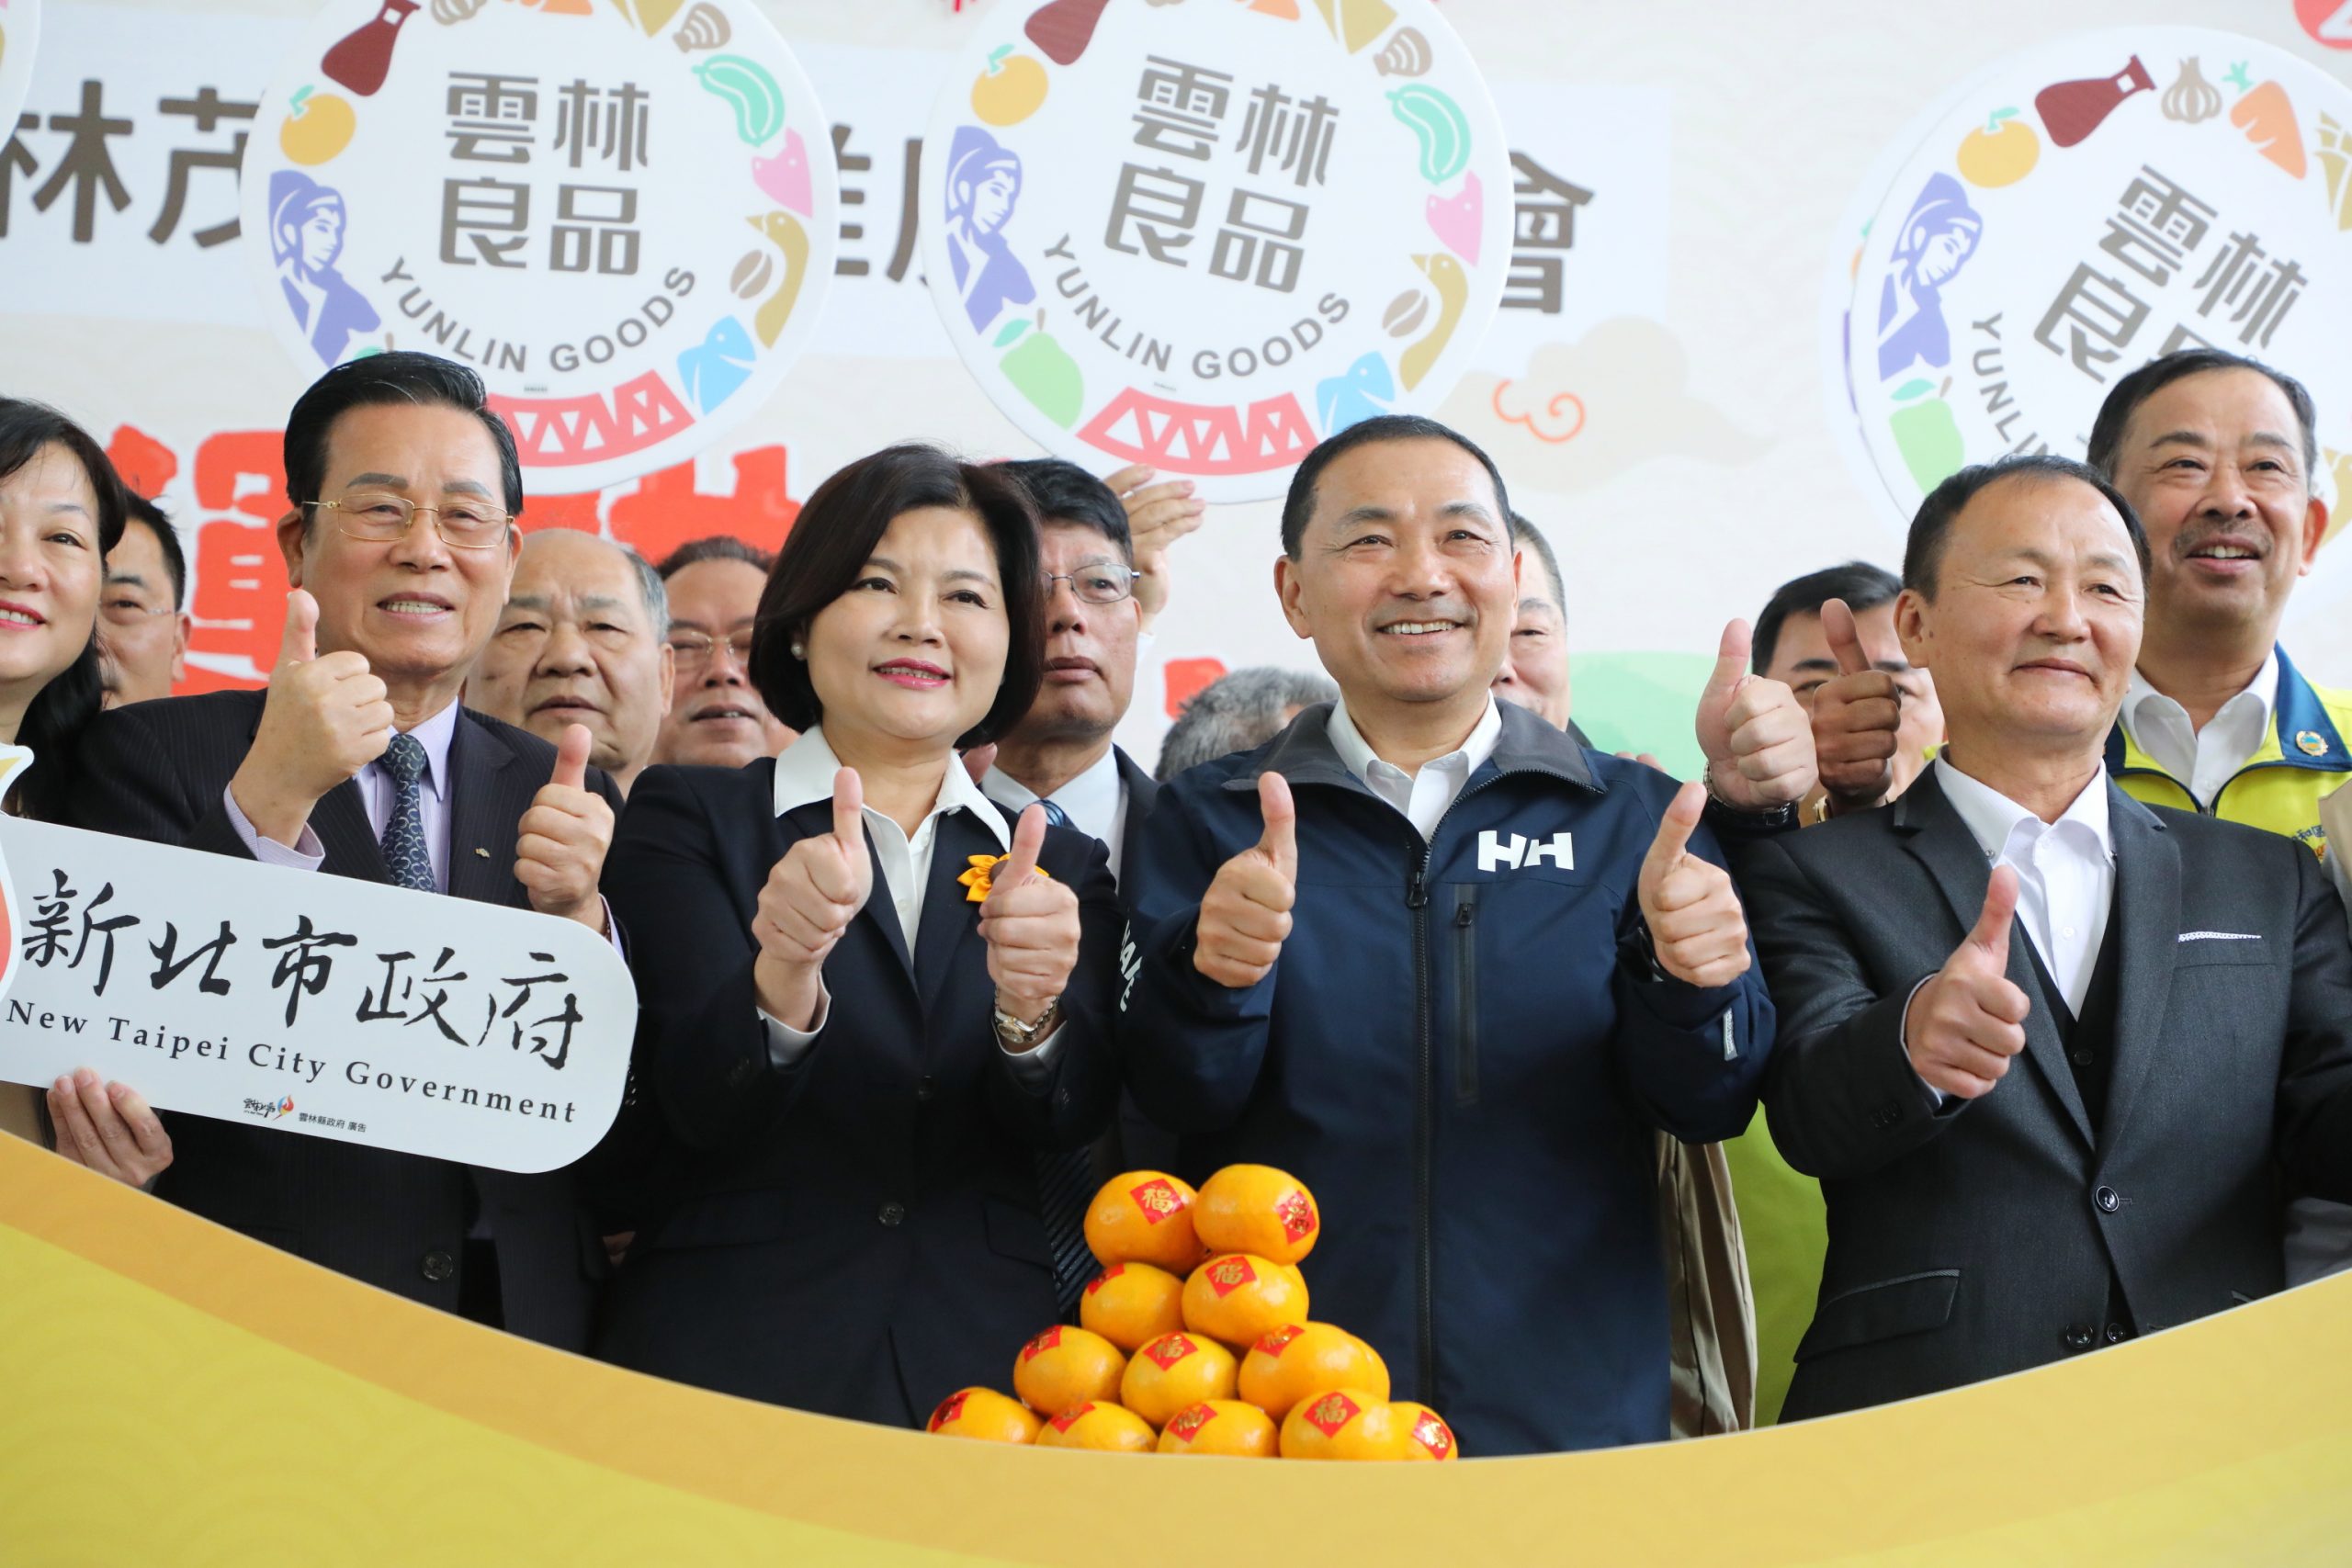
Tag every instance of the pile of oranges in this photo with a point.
(1196, 1339)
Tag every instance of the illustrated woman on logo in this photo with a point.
(1937, 238)
(306, 226)
(983, 183)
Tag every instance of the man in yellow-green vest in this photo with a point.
(2218, 456)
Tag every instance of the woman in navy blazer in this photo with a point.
(857, 1023)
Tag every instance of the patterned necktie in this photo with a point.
(1064, 1187)
(404, 852)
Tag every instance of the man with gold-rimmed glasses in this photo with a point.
(358, 761)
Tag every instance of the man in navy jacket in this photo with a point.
(1450, 969)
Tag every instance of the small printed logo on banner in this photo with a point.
(269, 1110)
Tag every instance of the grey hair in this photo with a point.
(656, 592)
(1237, 712)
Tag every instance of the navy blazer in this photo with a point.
(859, 1234)
(157, 770)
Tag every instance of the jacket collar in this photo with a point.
(1304, 754)
(2302, 733)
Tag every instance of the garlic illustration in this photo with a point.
(2191, 98)
(449, 13)
(1407, 55)
(704, 27)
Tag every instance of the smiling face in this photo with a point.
(1090, 649)
(49, 573)
(1406, 578)
(912, 654)
(2035, 622)
(717, 719)
(143, 638)
(2214, 464)
(575, 645)
(419, 611)
(1535, 674)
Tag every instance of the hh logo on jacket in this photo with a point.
(1497, 852)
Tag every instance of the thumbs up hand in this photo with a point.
(1697, 928)
(1030, 923)
(811, 895)
(324, 720)
(1856, 715)
(1755, 734)
(560, 843)
(1246, 913)
(1966, 1023)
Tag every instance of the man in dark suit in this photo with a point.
(2180, 990)
(358, 762)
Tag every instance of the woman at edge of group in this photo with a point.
(61, 511)
(856, 1029)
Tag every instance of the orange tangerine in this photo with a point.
(1232, 1427)
(1063, 1366)
(1144, 1216)
(983, 1413)
(1097, 1425)
(1426, 1434)
(1297, 1360)
(1133, 1303)
(1174, 1370)
(1341, 1423)
(1257, 1210)
(1238, 1298)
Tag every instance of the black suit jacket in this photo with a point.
(1977, 1239)
(859, 1234)
(1142, 790)
(157, 770)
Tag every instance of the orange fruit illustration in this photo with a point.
(1063, 1366)
(1144, 1216)
(1238, 1298)
(1096, 1425)
(317, 130)
(1258, 1210)
(1174, 1370)
(1297, 1360)
(983, 1413)
(1132, 1304)
(1231, 1427)
(1342, 1422)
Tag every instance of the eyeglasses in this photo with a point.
(1097, 582)
(694, 648)
(382, 518)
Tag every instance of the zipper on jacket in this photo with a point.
(1465, 994)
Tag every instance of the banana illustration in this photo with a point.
(747, 88)
(1452, 286)
(1438, 121)
(785, 230)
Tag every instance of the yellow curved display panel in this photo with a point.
(178, 1394)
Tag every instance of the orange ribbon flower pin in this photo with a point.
(981, 868)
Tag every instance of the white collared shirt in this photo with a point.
(1424, 794)
(1095, 801)
(2206, 759)
(379, 794)
(2065, 870)
(804, 772)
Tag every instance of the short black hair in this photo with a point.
(55, 718)
(1525, 533)
(402, 377)
(717, 546)
(837, 532)
(1299, 504)
(1861, 585)
(1064, 492)
(2124, 400)
(167, 540)
(1923, 551)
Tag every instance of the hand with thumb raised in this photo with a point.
(1030, 923)
(809, 899)
(1697, 927)
(1245, 915)
(1757, 737)
(1856, 717)
(1964, 1027)
(560, 843)
(325, 718)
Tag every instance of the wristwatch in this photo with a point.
(1018, 1036)
(1781, 816)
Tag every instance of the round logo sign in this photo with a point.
(622, 215)
(1205, 237)
(19, 36)
(2085, 206)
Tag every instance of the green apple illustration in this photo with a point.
(1042, 371)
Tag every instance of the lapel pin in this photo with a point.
(2310, 743)
(480, 850)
